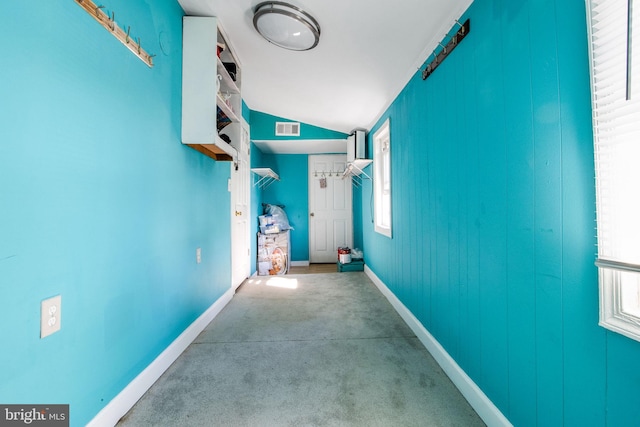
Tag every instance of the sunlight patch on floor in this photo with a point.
(282, 282)
(277, 282)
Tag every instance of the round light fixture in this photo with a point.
(286, 26)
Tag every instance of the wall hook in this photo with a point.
(447, 48)
(107, 19)
(462, 27)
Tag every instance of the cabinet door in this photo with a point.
(240, 200)
(199, 80)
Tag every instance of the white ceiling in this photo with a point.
(367, 53)
(307, 146)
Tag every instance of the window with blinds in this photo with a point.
(615, 84)
(382, 180)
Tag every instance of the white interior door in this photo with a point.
(330, 208)
(240, 199)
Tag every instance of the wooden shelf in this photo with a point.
(219, 151)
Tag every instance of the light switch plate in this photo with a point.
(50, 315)
(198, 255)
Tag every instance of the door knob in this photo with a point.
(312, 214)
(238, 213)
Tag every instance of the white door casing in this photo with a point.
(240, 201)
(330, 208)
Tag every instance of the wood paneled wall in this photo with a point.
(494, 218)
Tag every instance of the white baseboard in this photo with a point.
(124, 401)
(299, 264)
(479, 401)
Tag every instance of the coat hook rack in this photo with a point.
(331, 173)
(109, 22)
(447, 49)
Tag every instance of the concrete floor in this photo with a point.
(305, 350)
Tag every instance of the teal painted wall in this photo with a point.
(493, 218)
(263, 127)
(358, 215)
(101, 203)
(256, 204)
(246, 112)
(292, 191)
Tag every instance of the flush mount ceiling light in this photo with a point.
(286, 26)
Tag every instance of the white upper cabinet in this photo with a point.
(211, 98)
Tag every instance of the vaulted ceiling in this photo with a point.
(368, 51)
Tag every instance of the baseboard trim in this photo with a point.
(479, 401)
(124, 401)
(299, 264)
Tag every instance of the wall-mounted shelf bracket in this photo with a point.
(266, 177)
(355, 170)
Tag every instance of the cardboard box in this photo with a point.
(273, 254)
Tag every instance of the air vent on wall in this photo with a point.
(287, 129)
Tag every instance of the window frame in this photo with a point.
(382, 184)
(618, 269)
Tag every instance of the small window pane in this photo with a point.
(629, 301)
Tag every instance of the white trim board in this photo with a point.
(124, 401)
(479, 401)
(299, 263)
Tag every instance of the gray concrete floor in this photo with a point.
(305, 350)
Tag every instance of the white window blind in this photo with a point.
(615, 80)
(382, 179)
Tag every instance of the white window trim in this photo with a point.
(382, 199)
(613, 111)
(612, 316)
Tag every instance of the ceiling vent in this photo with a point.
(287, 129)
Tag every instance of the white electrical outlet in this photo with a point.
(50, 315)
(198, 255)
